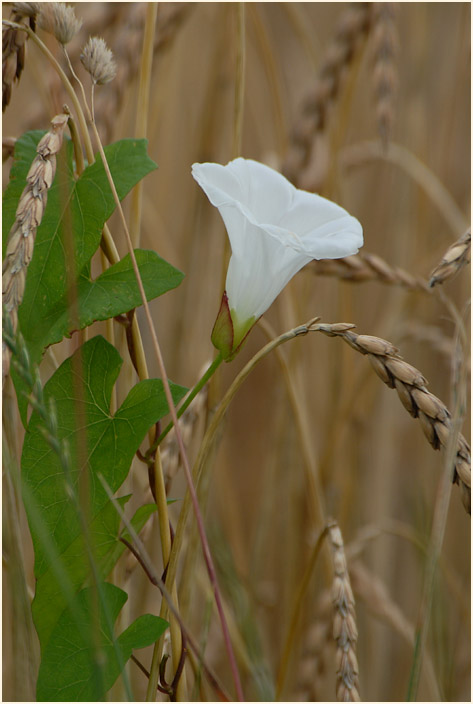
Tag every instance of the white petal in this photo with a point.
(274, 230)
(265, 194)
(258, 272)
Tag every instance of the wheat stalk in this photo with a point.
(453, 260)
(344, 626)
(384, 49)
(410, 385)
(127, 48)
(8, 147)
(374, 593)
(29, 214)
(351, 30)
(368, 267)
(14, 46)
(311, 665)
(434, 337)
(170, 457)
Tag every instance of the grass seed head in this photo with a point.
(60, 20)
(98, 60)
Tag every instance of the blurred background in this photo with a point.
(369, 105)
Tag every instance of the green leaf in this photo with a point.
(138, 521)
(144, 631)
(99, 443)
(52, 587)
(106, 549)
(114, 292)
(66, 239)
(83, 658)
(72, 225)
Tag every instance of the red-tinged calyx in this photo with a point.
(229, 334)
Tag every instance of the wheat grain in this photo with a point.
(29, 214)
(384, 49)
(368, 267)
(453, 260)
(344, 626)
(14, 46)
(410, 385)
(302, 165)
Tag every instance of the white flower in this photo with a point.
(274, 230)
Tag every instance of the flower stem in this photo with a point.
(188, 400)
(185, 462)
(209, 437)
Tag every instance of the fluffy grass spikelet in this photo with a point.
(98, 60)
(60, 20)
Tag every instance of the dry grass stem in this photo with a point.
(453, 260)
(317, 642)
(375, 595)
(14, 46)
(302, 165)
(368, 105)
(410, 385)
(368, 267)
(435, 338)
(29, 214)
(188, 422)
(8, 147)
(356, 155)
(385, 48)
(127, 46)
(344, 626)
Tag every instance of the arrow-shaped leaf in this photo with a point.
(99, 443)
(83, 658)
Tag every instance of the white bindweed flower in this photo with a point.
(274, 230)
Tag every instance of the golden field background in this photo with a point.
(378, 474)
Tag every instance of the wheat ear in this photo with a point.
(384, 48)
(453, 260)
(29, 214)
(344, 626)
(410, 385)
(14, 46)
(368, 267)
(351, 29)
